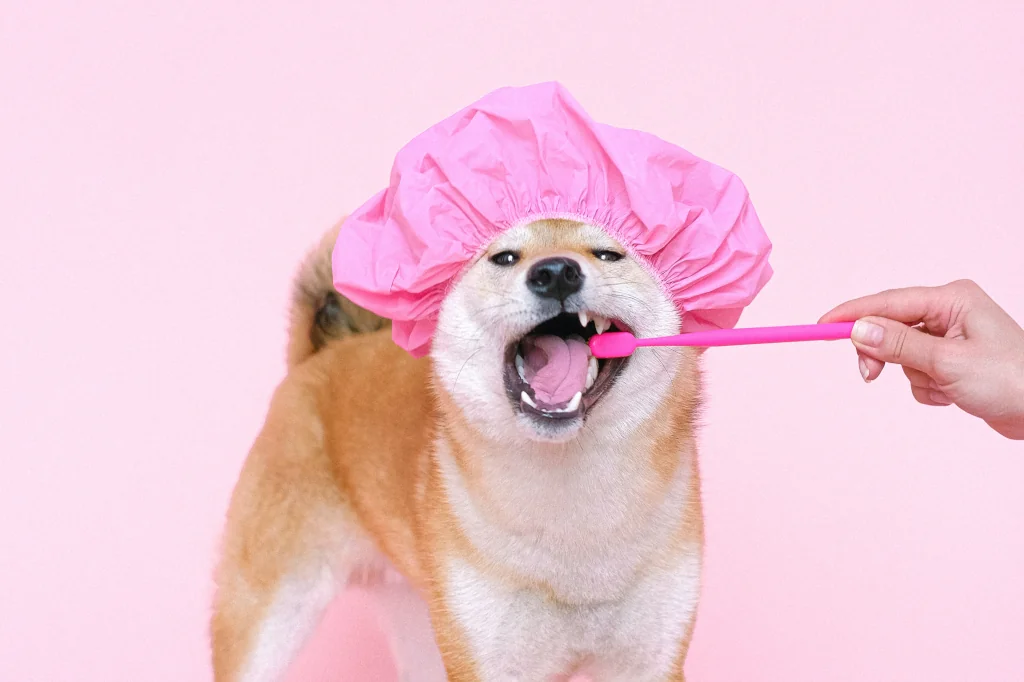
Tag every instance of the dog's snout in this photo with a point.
(557, 278)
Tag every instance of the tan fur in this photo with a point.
(313, 286)
(346, 468)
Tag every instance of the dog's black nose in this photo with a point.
(557, 278)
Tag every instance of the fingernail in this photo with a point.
(863, 369)
(867, 333)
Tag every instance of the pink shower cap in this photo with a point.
(523, 154)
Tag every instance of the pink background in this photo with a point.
(163, 166)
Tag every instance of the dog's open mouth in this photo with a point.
(550, 372)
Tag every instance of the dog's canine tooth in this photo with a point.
(591, 372)
(529, 401)
(601, 324)
(574, 403)
(521, 366)
(584, 320)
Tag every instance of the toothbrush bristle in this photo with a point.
(612, 345)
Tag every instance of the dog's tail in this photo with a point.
(318, 312)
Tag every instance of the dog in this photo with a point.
(533, 536)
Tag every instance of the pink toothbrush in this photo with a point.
(621, 344)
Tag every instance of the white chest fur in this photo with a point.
(591, 533)
(518, 635)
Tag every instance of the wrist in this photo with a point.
(1011, 430)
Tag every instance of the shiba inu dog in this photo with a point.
(541, 506)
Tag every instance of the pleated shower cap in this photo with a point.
(529, 153)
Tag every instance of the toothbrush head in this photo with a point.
(612, 345)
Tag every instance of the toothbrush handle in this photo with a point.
(755, 335)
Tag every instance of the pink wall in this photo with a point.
(164, 165)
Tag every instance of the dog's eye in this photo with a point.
(608, 256)
(505, 258)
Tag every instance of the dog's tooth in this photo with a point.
(584, 320)
(601, 324)
(575, 402)
(592, 370)
(521, 366)
(590, 381)
(529, 401)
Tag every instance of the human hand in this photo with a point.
(956, 346)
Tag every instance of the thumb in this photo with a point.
(895, 342)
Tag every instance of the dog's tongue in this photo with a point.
(555, 368)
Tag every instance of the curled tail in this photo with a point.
(318, 312)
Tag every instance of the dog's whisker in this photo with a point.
(497, 306)
(634, 299)
(459, 375)
(617, 281)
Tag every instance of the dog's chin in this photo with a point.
(546, 430)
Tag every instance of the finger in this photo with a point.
(920, 379)
(892, 341)
(930, 398)
(910, 306)
(869, 367)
